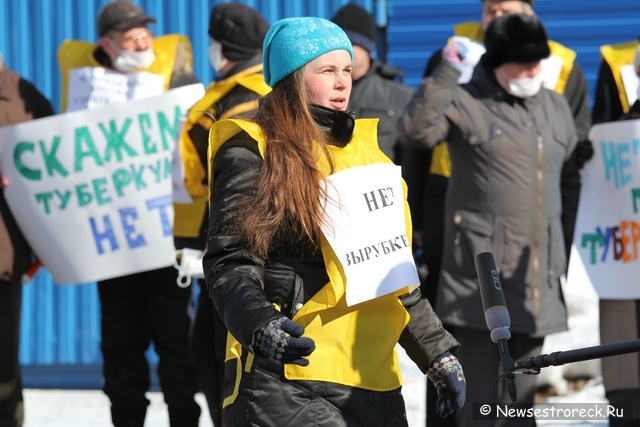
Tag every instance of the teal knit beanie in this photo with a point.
(294, 42)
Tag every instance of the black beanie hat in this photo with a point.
(515, 37)
(358, 24)
(240, 30)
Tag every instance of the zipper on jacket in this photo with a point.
(536, 245)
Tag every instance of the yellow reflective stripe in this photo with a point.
(440, 160)
(249, 363)
(236, 388)
(240, 109)
(616, 56)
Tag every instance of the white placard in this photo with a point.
(366, 213)
(606, 243)
(95, 87)
(630, 81)
(91, 190)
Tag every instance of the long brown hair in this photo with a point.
(286, 206)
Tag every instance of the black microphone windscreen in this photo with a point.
(493, 302)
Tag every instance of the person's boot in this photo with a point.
(184, 416)
(128, 416)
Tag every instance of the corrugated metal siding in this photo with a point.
(417, 28)
(61, 324)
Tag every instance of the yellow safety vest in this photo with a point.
(188, 217)
(76, 54)
(617, 56)
(359, 340)
(440, 160)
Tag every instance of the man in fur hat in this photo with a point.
(428, 185)
(509, 139)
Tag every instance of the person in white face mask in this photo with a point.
(510, 140)
(143, 307)
(236, 33)
(126, 48)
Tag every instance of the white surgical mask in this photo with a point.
(215, 56)
(525, 86)
(132, 60)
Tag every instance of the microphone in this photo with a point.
(496, 314)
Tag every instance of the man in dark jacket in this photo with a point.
(237, 32)
(377, 91)
(427, 171)
(19, 102)
(510, 140)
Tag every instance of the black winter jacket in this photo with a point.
(378, 94)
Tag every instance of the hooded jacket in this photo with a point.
(504, 194)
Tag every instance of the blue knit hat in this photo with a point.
(294, 42)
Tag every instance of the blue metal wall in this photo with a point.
(419, 27)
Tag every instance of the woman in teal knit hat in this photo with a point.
(308, 260)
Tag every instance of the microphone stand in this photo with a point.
(588, 353)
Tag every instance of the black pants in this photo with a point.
(480, 360)
(208, 349)
(11, 405)
(136, 310)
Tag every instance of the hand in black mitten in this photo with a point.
(584, 152)
(446, 374)
(281, 341)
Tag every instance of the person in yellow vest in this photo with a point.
(92, 72)
(618, 84)
(427, 171)
(144, 307)
(237, 32)
(314, 314)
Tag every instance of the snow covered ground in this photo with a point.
(82, 408)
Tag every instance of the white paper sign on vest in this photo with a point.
(630, 81)
(551, 69)
(367, 231)
(91, 190)
(94, 87)
(606, 242)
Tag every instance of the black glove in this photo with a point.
(281, 341)
(584, 152)
(446, 374)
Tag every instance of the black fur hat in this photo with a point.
(240, 29)
(515, 38)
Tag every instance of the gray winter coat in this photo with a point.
(504, 194)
